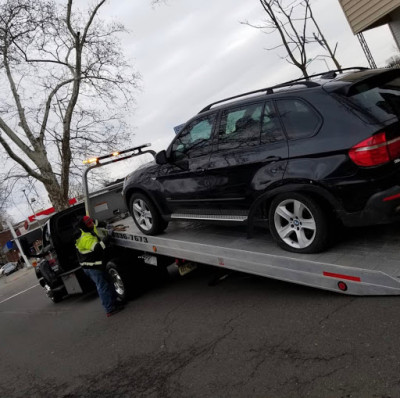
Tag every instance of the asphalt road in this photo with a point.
(245, 337)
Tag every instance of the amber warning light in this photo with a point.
(96, 160)
(128, 153)
(90, 160)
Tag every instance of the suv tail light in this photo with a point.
(375, 150)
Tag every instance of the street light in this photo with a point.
(33, 211)
(29, 203)
(318, 58)
(327, 66)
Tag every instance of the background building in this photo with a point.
(367, 14)
(8, 250)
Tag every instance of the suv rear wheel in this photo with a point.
(298, 223)
(146, 216)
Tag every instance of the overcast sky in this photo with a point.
(190, 53)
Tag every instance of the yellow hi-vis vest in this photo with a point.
(86, 245)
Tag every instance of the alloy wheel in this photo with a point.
(295, 223)
(142, 214)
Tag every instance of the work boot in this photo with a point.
(115, 310)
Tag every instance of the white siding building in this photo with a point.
(367, 14)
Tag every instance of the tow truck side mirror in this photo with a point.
(46, 249)
(161, 157)
(44, 252)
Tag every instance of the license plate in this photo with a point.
(186, 268)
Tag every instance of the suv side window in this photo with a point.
(240, 127)
(194, 140)
(271, 130)
(299, 118)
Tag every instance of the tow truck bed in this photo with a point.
(366, 262)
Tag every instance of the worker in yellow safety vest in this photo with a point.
(92, 247)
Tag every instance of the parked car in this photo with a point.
(2, 269)
(9, 268)
(299, 156)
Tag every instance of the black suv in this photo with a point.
(301, 156)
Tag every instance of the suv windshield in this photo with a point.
(381, 100)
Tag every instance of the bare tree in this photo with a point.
(393, 62)
(291, 20)
(5, 191)
(320, 38)
(4, 195)
(66, 87)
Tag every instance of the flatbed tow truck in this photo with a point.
(366, 262)
(361, 266)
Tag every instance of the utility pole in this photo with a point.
(13, 233)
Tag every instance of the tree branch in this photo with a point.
(89, 23)
(17, 159)
(47, 108)
(69, 14)
(14, 91)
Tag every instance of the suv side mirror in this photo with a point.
(161, 157)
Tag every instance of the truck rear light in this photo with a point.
(371, 152)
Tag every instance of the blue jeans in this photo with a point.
(104, 288)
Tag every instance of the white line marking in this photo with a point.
(9, 298)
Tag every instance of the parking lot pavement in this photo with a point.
(16, 282)
(21, 273)
(244, 337)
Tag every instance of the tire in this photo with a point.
(145, 215)
(298, 224)
(48, 274)
(121, 280)
(133, 278)
(54, 296)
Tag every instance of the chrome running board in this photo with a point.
(209, 217)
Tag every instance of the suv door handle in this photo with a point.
(199, 170)
(272, 158)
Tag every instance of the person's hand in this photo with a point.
(106, 240)
(110, 229)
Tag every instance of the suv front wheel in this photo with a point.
(298, 223)
(146, 216)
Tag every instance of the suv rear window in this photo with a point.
(381, 101)
(299, 118)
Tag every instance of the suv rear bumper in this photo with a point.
(381, 208)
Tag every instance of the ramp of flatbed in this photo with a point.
(366, 260)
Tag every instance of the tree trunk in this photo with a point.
(57, 198)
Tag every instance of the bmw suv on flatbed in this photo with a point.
(300, 156)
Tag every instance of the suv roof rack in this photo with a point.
(302, 80)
